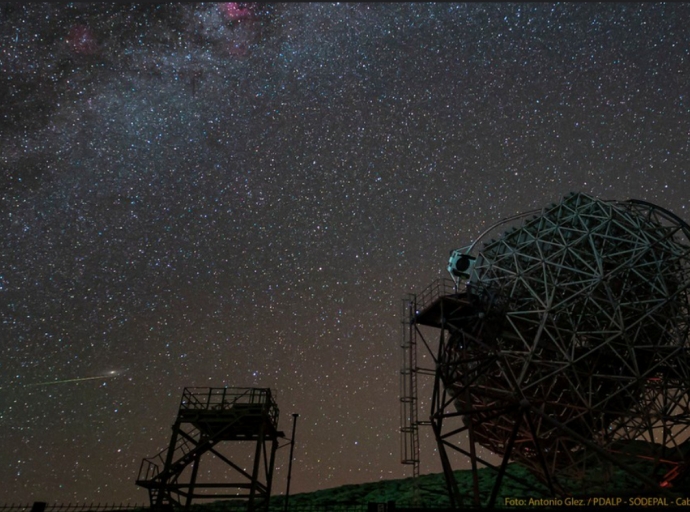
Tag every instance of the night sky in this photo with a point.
(212, 194)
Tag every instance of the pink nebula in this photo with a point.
(82, 40)
(237, 11)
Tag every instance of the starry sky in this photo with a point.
(207, 194)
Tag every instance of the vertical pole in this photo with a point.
(438, 413)
(269, 475)
(451, 483)
(292, 451)
(257, 463)
(473, 450)
(192, 480)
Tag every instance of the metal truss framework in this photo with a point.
(567, 351)
(207, 419)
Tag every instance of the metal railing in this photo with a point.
(278, 506)
(214, 400)
(71, 507)
(438, 288)
(150, 466)
(206, 399)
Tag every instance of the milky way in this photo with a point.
(241, 195)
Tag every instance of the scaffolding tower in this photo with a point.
(209, 418)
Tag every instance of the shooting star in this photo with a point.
(106, 375)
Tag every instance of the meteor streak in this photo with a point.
(108, 375)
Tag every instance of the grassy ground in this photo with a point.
(429, 491)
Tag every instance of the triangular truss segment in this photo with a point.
(209, 420)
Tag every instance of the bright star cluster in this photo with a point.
(211, 194)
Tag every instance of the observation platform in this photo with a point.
(230, 414)
(445, 305)
(438, 302)
(207, 418)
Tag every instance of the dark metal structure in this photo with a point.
(565, 350)
(209, 420)
(292, 456)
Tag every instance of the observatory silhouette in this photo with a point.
(208, 420)
(561, 345)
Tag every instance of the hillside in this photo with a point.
(430, 492)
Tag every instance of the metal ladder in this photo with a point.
(409, 422)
